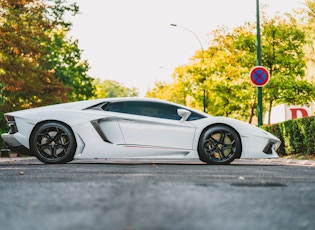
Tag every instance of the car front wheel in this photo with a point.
(219, 144)
(53, 143)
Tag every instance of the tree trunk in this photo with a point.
(269, 111)
(252, 109)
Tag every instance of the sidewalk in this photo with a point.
(12, 159)
(272, 162)
(279, 161)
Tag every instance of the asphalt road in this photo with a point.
(130, 195)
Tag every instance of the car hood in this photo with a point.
(244, 129)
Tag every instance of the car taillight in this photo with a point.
(12, 125)
(9, 119)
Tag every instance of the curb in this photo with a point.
(272, 162)
(13, 159)
(278, 161)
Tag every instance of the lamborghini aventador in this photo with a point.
(133, 128)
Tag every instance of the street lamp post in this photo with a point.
(202, 52)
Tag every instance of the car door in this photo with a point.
(155, 125)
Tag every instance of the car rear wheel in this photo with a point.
(219, 144)
(53, 143)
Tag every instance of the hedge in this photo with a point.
(297, 136)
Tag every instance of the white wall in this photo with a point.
(286, 112)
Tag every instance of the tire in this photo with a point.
(219, 145)
(53, 143)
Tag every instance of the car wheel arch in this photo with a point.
(42, 123)
(48, 121)
(226, 125)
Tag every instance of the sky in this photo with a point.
(133, 43)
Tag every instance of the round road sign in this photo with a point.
(259, 76)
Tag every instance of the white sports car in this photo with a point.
(133, 128)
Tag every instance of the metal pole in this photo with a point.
(258, 63)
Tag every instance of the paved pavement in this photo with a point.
(156, 194)
(279, 161)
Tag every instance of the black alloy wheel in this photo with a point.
(219, 144)
(53, 143)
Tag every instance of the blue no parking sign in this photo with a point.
(259, 76)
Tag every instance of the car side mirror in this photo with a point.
(184, 114)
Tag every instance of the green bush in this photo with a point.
(3, 129)
(297, 136)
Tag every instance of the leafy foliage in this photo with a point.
(39, 65)
(221, 72)
(110, 88)
(306, 19)
(64, 60)
(284, 57)
(297, 136)
(26, 83)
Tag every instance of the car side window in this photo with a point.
(195, 116)
(149, 109)
(118, 107)
(152, 109)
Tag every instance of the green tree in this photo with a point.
(161, 90)
(223, 70)
(110, 88)
(283, 54)
(39, 65)
(2, 120)
(232, 54)
(64, 60)
(1, 96)
(34, 70)
(282, 49)
(306, 19)
(220, 73)
(26, 83)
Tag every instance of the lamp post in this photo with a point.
(202, 52)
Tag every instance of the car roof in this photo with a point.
(81, 105)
